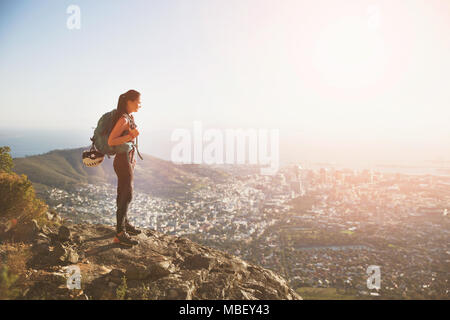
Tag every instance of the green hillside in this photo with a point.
(64, 169)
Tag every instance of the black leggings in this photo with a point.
(124, 170)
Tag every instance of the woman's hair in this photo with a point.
(122, 103)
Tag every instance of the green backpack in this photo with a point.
(101, 134)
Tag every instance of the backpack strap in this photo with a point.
(133, 125)
(130, 120)
(139, 154)
(92, 146)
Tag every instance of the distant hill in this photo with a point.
(64, 169)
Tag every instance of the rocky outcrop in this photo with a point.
(160, 267)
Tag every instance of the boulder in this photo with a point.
(42, 249)
(56, 278)
(184, 292)
(26, 231)
(78, 239)
(71, 256)
(159, 269)
(49, 216)
(64, 234)
(168, 267)
(59, 253)
(115, 276)
(137, 272)
(41, 238)
(198, 262)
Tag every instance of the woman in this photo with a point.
(125, 131)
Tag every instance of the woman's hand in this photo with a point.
(116, 138)
(134, 133)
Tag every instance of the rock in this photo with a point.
(34, 227)
(26, 231)
(181, 293)
(234, 267)
(183, 241)
(41, 241)
(42, 249)
(198, 262)
(102, 269)
(49, 216)
(137, 272)
(24, 294)
(59, 250)
(78, 239)
(59, 253)
(41, 238)
(72, 256)
(168, 267)
(8, 225)
(210, 289)
(57, 278)
(64, 234)
(116, 275)
(46, 230)
(159, 269)
(247, 296)
(263, 292)
(42, 235)
(172, 293)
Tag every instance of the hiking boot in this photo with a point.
(124, 239)
(132, 230)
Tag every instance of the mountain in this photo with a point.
(159, 267)
(64, 169)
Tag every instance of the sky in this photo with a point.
(349, 81)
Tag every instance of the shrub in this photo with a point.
(7, 280)
(121, 290)
(18, 199)
(6, 162)
(12, 270)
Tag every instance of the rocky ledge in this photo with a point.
(159, 267)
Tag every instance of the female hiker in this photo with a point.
(124, 131)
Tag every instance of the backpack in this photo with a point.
(103, 130)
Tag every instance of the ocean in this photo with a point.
(27, 142)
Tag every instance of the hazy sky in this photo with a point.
(342, 80)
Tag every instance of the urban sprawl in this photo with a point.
(318, 228)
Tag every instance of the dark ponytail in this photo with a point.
(122, 103)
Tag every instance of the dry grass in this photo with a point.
(13, 267)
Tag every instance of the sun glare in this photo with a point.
(350, 54)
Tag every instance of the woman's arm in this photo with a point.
(114, 138)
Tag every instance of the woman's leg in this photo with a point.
(124, 188)
(132, 165)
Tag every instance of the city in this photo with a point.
(318, 228)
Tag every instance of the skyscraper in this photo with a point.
(323, 175)
(301, 175)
